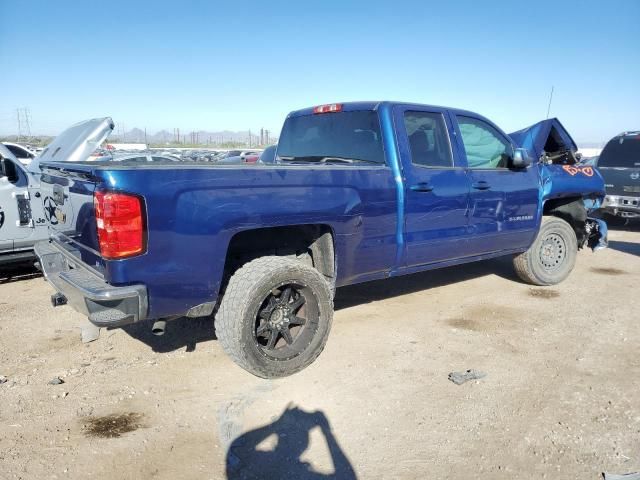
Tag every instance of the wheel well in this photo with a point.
(572, 211)
(310, 244)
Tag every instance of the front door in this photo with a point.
(503, 200)
(436, 187)
(16, 221)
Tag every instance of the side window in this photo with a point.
(19, 152)
(484, 145)
(9, 170)
(428, 139)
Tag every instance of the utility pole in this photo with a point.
(145, 136)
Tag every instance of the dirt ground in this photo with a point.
(560, 399)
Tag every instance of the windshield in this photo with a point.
(344, 136)
(623, 151)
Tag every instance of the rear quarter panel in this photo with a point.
(194, 212)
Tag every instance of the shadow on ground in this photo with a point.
(282, 457)
(18, 272)
(392, 287)
(188, 332)
(180, 333)
(626, 247)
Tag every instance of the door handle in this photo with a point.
(481, 185)
(421, 187)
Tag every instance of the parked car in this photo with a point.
(251, 157)
(140, 157)
(30, 211)
(21, 152)
(229, 153)
(619, 164)
(242, 159)
(230, 160)
(363, 191)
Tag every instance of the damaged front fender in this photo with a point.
(573, 193)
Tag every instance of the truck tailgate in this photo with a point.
(71, 187)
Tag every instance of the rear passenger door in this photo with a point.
(503, 200)
(436, 187)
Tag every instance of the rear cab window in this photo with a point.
(428, 139)
(621, 152)
(335, 137)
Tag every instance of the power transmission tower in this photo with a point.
(19, 118)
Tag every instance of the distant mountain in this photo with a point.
(201, 137)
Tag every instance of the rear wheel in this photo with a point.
(275, 316)
(552, 256)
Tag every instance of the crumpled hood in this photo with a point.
(535, 137)
(76, 143)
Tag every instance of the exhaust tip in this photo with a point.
(159, 327)
(58, 299)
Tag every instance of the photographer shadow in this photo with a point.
(292, 431)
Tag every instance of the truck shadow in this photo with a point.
(253, 455)
(625, 247)
(188, 332)
(180, 333)
(18, 272)
(354, 295)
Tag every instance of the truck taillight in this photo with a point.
(120, 224)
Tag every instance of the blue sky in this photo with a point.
(240, 65)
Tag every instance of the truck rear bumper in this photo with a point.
(88, 293)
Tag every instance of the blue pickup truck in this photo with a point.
(358, 192)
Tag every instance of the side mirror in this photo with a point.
(521, 158)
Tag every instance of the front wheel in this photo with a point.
(552, 256)
(275, 316)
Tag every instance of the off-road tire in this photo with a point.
(530, 265)
(244, 295)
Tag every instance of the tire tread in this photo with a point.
(229, 317)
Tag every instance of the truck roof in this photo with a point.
(355, 106)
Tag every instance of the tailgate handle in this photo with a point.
(421, 187)
(481, 185)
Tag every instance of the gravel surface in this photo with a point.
(560, 399)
